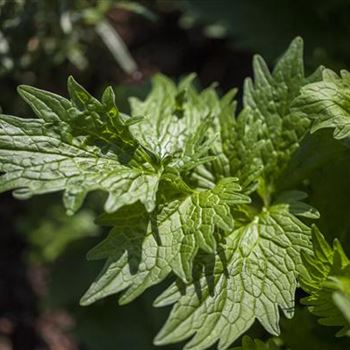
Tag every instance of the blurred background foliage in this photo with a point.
(61, 30)
(268, 26)
(43, 270)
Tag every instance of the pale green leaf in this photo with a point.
(141, 251)
(328, 103)
(235, 155)
(172, 115)
(83, 144)
(252, 275)
(177, 173)
(35, 161)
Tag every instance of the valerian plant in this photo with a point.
(195, 193)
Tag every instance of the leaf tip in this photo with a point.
(23, 90)
(85, 300)
(159, 339)
(298, 41)
(71, 80)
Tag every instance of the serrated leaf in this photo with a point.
(171, 114)
(142, 251)
(327, 280)
(258, 144)
(234, 154)
(197, 219)
(253, 274)
(82, 116)
(328, 103)
(83, 144)
(36, 161)
(134, 257)
(270, 97)
(234, 151)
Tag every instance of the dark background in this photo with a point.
(43, 270)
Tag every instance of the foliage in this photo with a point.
(327, 102)
(195, 194)
(327, 280)
(50, 231)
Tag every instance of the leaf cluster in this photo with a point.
(196, 194)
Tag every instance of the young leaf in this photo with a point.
(270, 98)
(327, 280)
(253, 273)
(257, 145)
(233, 149)
(328, 103)
(171, 115)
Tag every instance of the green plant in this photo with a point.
(196, 195)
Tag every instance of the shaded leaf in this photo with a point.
(327, 280)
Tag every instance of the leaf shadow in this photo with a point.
(204, 273)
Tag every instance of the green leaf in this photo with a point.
(36, 161)
(101, 121)
(327, 280)
(172, 116)
(142, 250)
(253, 273)
(269, 98)
(198, 219)
(134, 257)
(328, 103)
(257, 145)
(233, 149)
(83, 144)
(256, 344)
